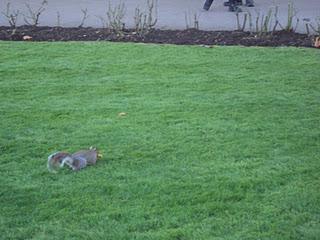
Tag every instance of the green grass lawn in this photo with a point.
(220, 143)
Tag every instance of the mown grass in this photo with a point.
(218, 143)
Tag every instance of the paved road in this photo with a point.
(171, 13)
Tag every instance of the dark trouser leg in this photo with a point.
(207, 4)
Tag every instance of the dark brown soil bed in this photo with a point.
(187, 37)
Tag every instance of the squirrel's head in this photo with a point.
(99, 154)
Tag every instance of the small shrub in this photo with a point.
(145, 21)
(11, 16)
(115, 17)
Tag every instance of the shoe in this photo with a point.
(234, 8)
(249, 3)
(237, 3)
(205, 8)
(226, 4)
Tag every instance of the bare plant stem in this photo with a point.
(238, 21)
(250, 21)
(315, 29)
(275, 26)
(152, 13)
(292, 13)
(276, 21)
(84, 17)
(257, 22)
(33, 16)
(103, 21)
(192, 20)
(296, 26)
(58, 19)
(245, 17)
(290, 16)
(267, 21)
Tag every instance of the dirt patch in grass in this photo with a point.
(188, 37)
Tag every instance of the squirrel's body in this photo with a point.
(75, 161)
(91, 155)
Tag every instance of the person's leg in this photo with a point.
(207, 4)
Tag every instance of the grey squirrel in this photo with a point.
(75, 161)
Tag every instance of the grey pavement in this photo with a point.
(171, 13)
